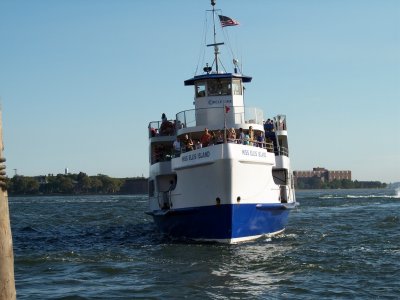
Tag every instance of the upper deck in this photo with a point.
(214, 118)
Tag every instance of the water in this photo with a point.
(338, 244)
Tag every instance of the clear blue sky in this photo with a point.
(80, 80)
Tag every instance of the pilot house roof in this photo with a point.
(191, 81)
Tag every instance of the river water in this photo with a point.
(338, 244)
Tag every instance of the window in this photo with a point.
(200, 89)
(219, 87)
(237, 87)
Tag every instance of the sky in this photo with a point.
(80, 80)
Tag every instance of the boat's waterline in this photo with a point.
(229, 223)
(242, 239)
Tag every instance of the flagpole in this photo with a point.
(215, 44)
(213, 2)
(224, 123)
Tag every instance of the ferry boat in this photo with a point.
(220, 172)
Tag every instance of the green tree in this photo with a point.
(65, 185)
(84, 183)
(96, 184)
(110, 185)
(23, 185)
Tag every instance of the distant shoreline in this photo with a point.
(83, 185)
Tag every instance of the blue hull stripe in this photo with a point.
(222, 221)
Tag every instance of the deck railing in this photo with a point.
(210, 117)
(283, 151)
(235, 115)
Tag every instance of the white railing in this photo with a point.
(235, 115)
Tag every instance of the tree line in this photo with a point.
(317, 183)
(74, 184)
(81, 183)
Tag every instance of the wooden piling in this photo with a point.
(7, 283)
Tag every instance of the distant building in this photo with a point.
(135, 186)
(323, 174)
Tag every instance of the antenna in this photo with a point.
(215, 44)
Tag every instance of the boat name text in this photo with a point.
(212, 102)
(254, 153)
(195, 156)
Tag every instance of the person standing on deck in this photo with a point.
(205, 138)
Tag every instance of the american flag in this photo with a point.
(226, 21)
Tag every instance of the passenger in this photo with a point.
(198, 145)
(213, 140)
(251, 135)
(159, 153)
(269, 144)
(269, 126)
(172, 185)
(188, 143)
(177, 147)
(231, 135)
(179, 125)
(220, 138)
(260, 140)
(241, 136)
(205, 138)
(246, 139)
(167, 128)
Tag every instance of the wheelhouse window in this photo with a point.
(200, 89)
(237, 86)
(219, 87)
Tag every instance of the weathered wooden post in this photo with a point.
(7, 283)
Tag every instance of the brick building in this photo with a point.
(323, 174)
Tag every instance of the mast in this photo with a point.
(215, 44)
